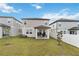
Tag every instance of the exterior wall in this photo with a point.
(62, 26)
(30, 24)
(14, 25)
(24, 30)
(53, 31)
(34, 23)
(15, 28)
(71, 39)
(5, 21)
(65, 26)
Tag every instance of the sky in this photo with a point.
(51, 11)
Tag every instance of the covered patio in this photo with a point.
(74, 30)
(4, 30)
(42, 32)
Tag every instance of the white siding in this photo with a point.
(30, 24)
(53, 31)
(14, 25)
(64, 27)
(24, 30)
(34, 23)
(71, 39)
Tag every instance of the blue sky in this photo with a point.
(40, 10)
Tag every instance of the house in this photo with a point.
(9, 26)
(35, 27)
(69, 29)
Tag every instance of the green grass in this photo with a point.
(17, 46)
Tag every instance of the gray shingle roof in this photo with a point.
(74, 28)
(34, 19)
(64, 20)
(42, 27)
(3, 25)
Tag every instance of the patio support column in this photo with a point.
(0, 32)
(36, 33)
(47, 33)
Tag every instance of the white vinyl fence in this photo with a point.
(71, 39)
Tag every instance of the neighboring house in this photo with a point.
(69, 29)
(35, 27)
(9, 26)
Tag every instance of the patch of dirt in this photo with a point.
(8, 44)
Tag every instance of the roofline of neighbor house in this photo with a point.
(74, 28)
(35, 19)
(64, 20)
(10, 17)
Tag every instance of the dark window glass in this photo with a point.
(24, 23)
(72, 32)
(59, 24)
(46, 23)
(8, 21)
(75, 33)
(27, 32)
(30, 32)
(53, 25)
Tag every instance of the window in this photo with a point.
(8, 21)
(78, 24)
(73, 32)
(53, 25)
(60, 25)
(24, 23)
(30, 32)
(27, 32)
(46, 23)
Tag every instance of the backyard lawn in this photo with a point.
(17, 46)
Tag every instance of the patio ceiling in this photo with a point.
(42, 27)
(74, 28)
(3, 25)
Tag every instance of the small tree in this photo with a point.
(59, 37)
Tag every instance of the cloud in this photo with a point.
(5, 8)
(64, 13)
(37, 6)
